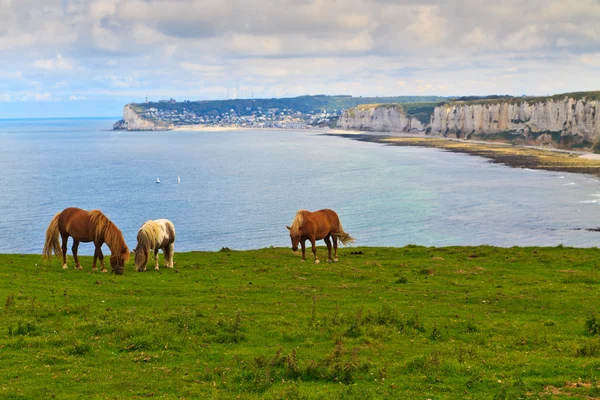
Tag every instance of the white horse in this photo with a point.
(157, 234)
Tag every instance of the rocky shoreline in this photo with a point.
(501, 153)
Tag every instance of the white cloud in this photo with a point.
(428, 25)
(57, 63)
(74, 97)
(196, 48)
(591, 59)
(202, 68)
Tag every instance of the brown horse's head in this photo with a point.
(295, 235)
(296, 229)
(117, 261)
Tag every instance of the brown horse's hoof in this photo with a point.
(79, 267)
(335, 260)
(104, 270)
(156, 268)
(65, 266)
(302, 260)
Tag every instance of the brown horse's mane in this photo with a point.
(105, 230)
(297, 224)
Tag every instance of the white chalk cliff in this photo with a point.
(379, 118)
(569, 120)
(132, 121)
(577, 119)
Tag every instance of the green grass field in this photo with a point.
(412, 322)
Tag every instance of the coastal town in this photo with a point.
(248, 117)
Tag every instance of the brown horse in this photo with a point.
(86, 226)
(323, 224)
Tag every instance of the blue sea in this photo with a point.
(240, 188)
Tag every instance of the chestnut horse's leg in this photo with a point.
(64, 238)
(334, 238)
(314, 248)
(303, 244)
(328, 243)
(156, 258)
(98, 255)
(74, 249)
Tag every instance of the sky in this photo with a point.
(78, 58)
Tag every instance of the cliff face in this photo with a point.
(567, 121)
(379, 118)
(132, 121)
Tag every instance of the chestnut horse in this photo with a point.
(157, 234)
(323, 224)
(86, 226)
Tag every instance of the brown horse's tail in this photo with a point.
(344, 238)
(52, 243)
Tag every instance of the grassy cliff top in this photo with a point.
(411, 322)
(592, 95)
(395, 106)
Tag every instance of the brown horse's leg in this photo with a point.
(100, 257)
(334, 238)
(64, 238)
(156, 258)
(313, 243)
(328, 243)
(74, 249)
(303, 245)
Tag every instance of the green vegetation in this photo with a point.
(594, 95)
(304, 104)
(412, 322)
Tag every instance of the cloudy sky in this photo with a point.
(88, 58)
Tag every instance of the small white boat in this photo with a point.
(157, 180)
(178, 180)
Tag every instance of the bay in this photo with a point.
(240, 188)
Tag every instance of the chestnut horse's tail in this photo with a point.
(343, 236)
(52, 243)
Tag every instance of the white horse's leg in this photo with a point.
(169, 253)
(156, 258)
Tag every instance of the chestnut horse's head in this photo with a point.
(296, 229)
(117, 261)
(295, 237)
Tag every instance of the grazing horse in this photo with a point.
(86, 226)
(157, 234)
(323, 224)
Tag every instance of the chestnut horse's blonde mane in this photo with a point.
(297, 224)
(106, 231)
